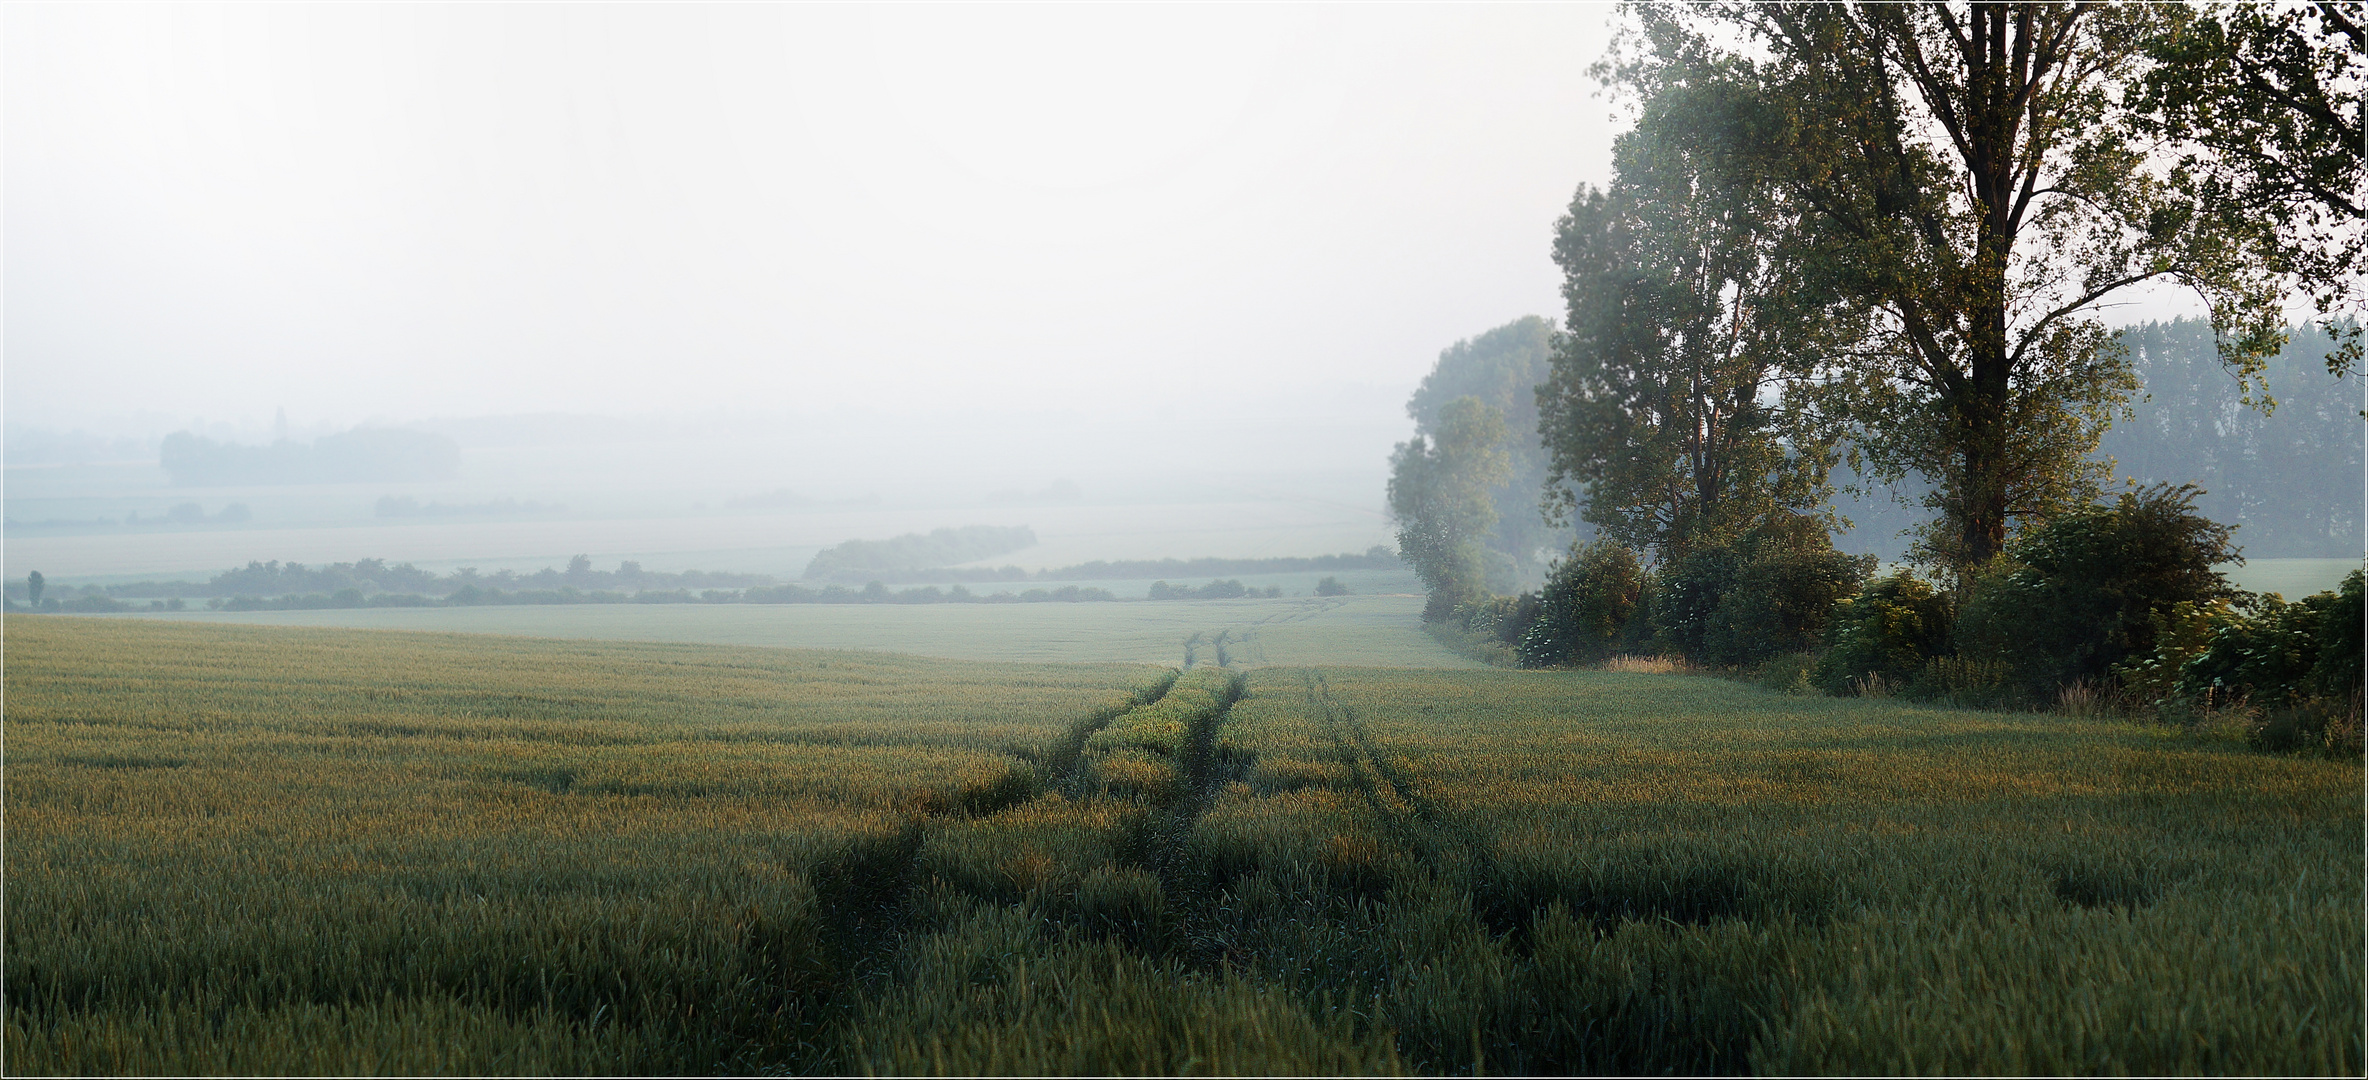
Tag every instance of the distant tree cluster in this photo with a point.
(1374, 558)
(2287, 477)
(385, 583)
(862, 560)
(357, 456)
(1215, 590)
(375, 577)
(473, 595)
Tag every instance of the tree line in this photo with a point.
(1873, 244)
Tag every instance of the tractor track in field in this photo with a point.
(1411, 817)
(1064, 766)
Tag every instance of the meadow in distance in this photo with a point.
(1821, 650)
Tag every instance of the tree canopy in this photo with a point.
(2263, 104)
(1439, 494)
(1667, 414)
(1502, 367)
(1973, 178)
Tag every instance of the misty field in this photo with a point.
(1377, 631)
(255, 849)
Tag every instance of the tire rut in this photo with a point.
(1414, 819)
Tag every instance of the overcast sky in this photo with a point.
(415, 210)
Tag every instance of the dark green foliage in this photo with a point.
(2264, 102)
(1789, 673)
(34, 583)
(1885, 636)
(1331, 586)
(1771, 591)
(1490, 630)
(1590, 608)
(1501, 618)
(1782, 599)
(1968, 175)
(2290, 671)
(1689, 593)
(1667, 413)
(2338, 671)
(2270, 657)
(2083, 592)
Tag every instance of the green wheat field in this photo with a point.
(275, 849)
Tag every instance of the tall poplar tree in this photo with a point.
(1669, 413)
(1968, 174)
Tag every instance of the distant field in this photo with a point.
(1358, 630)
(245, 849)
(2293, 578)
(767, 542)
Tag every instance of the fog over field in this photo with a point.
(914, 264)
(716, 288)
(1276, 539)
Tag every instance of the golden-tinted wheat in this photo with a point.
(253, 850)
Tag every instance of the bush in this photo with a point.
(2342, 661)
(1789, 673)
(2080, 594)
(1331, 586)
(1595, 603)
(2181, 634)
(1781, 601)
(1771, 592)
(1687, 593)
(2281, 655)
(1502, 619)
(1885, 636)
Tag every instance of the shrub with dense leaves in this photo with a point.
(1886, 635)
(1499, 618)
(1688, 594)
(1781, 602)
(2279, 654)
(1770, 592)
(1590, 608)
(2084, 592)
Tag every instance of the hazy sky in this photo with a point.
(415, 210)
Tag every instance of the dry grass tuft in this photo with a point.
(1646, 665)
